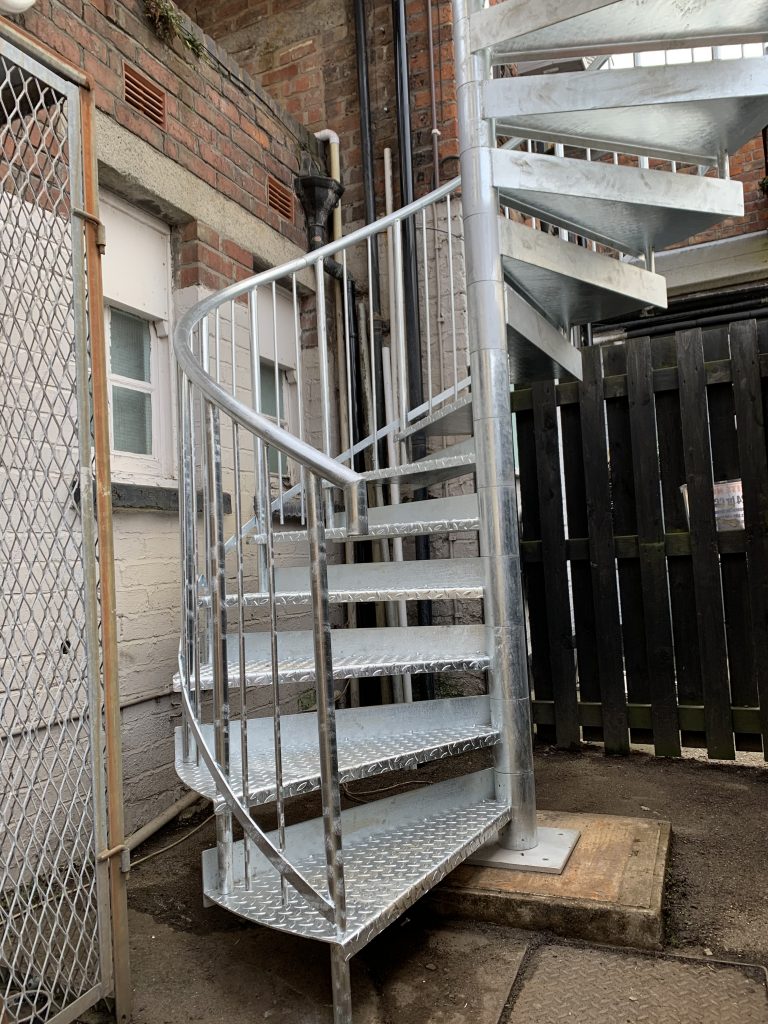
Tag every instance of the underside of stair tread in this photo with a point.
(537, 350)
(408, 519)
(449, 578)
(395, 850)
(569, 284)
(629, 208)
(371, 741)
(687, 112)
(356, 653)
(518, 32)
(449, 420)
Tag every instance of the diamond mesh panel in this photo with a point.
(48, 907)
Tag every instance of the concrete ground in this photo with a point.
(192, 964)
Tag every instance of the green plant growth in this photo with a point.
(763, 185)
(169, 25)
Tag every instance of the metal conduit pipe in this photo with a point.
(411, 281)
(369, 197)
(717, 319)
(147, 831)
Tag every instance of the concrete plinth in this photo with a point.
(610, 891)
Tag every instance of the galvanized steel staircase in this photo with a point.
(343, 877)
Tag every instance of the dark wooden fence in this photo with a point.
(644, 629)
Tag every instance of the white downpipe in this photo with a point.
(16, 6)
(389, 374)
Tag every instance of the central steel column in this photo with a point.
(494, 446)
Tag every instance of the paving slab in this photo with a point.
(560, 985)
(610, 891)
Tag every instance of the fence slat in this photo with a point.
(625, 523)
(585, 627)
(704, 551)
(653, 562)
(555, 564)
(602, 554)
(533, 574)
(754, 478)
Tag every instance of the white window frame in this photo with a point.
(158, 469)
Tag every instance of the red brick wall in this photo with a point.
(303, 52)
(220, 125)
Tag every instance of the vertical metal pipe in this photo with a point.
(496, 485)
(369, 191)
(278, 402)
(218, 583)
(299, 388)
(262, 498)
(326, 704)
(84, 115)
(322, 346)
(275, 669)
(342, 987)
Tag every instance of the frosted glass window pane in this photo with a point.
(132, 421)
(129, 346)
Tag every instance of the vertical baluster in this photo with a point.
(374, 396)
(185, 503)
(325, 384)
(238, 509)
(451, 285)
(205, 356)
(261, 499)
(326, 704)
(347, 324)
(195, 558)
(399, 305)
(217, 574)
(275, 671)
(300, 388)
(278, 401)
(425, 271)
(217, 344)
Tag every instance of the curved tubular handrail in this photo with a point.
(249, 826)
(269, 432)
(276, 274)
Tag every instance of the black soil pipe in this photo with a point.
(425, 685)
(714, 320)
(369, 193)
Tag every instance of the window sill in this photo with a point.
(152, 498)
(147, 498)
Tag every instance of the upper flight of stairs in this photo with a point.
(566, 211)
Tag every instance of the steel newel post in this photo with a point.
(494, 445)
(218, 583)
(101, 443)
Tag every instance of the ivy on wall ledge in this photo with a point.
(169, 25)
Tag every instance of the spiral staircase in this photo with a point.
(557, 232)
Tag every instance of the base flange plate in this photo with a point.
(550, 856)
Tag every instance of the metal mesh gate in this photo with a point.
(54, 910)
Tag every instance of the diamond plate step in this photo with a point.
(371, 741)
(548, 29)
(687, 112)
(570, 284)
(628, 208)
(356, 653)
(395, 850)
(452, 579)
(446, 464)
(408, 519)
